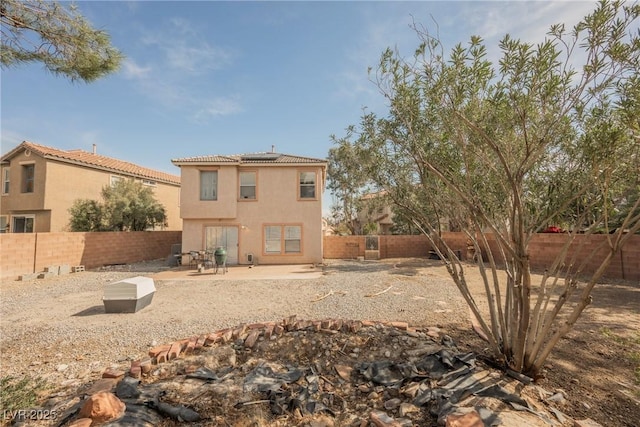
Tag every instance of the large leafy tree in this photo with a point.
(57, 36)
(346, 182)
(505, 150)
(127, 206)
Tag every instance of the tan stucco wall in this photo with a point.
(277, 203)
(223, 207)
(58, 185)
(24, 201)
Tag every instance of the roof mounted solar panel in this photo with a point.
(260, 156)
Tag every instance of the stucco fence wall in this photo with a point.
(543, 250)
(23, 253)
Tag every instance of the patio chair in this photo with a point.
(193, 259)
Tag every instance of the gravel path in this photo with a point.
(57, 328)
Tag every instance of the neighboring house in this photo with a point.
(261, 207)
(375, 215)
(40, 184)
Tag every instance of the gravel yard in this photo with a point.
(57, 329)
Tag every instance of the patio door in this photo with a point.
(226, 237)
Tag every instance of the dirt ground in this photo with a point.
(597, 365)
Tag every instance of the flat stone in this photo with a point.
(392, 404)
(587, 422)
(113, 373)
(251, 340)
(470, 419)
(381, 419)
(102, 385)
(344, 371)
(407, 408)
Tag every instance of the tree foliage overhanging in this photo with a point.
(127, 206)
(60, 38)
(505, 150)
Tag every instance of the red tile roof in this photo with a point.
(249, 158)
(95, 161)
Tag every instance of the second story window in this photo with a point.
(208, 185)
(5, 181)
(307, 185)
(28, 175)
(248, 185)
(114, 179)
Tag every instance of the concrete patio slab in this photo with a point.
(243, 272)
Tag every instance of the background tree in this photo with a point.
(131, 206)
(347, 182)
(59, 37)
(86, 215)
(506, 150)
(127, 206)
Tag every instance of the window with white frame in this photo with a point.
(282, 239)
(28, 177)
(5, 181)
(149, 182)
(307, 185)
(208, 185)
(292, 239)
(115, 179)
(247, 185)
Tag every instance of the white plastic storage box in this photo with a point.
(128, 295)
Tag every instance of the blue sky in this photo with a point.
(237, 77)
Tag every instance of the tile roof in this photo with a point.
(249, 158)
(95, 161)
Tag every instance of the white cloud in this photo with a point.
(132, 70)
(217, 107)
(185, 49)
(198, 58)
(181, 77)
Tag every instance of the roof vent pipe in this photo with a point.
(273, 148)
(95, 148)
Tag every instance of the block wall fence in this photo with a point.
(543, 250)
(22, 253)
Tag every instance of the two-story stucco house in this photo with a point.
(40, 184)
(262, 208)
